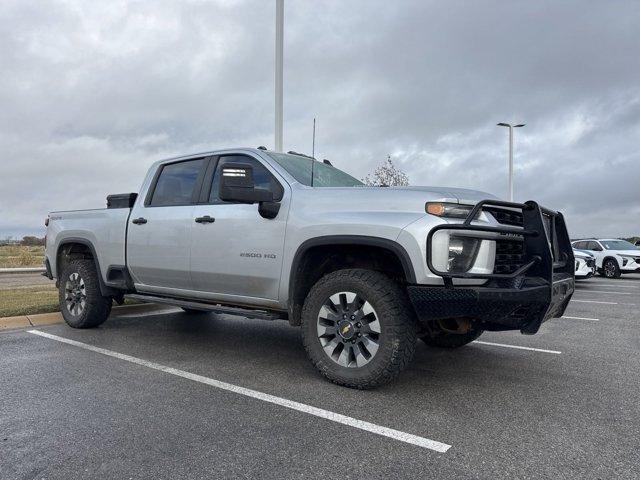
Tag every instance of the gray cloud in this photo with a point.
(92, 93)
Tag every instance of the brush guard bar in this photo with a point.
(538, 290)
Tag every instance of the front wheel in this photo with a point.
(610, 268)
(358, 329)
(81, 302)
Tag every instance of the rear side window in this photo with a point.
(262, 178)
(176, 183)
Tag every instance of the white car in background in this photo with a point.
(613, 256)
(585, 264)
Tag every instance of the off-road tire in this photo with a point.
(97, 308)
(451, 340)
(397, 337)
(613, 271)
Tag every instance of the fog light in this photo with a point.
(462, 253)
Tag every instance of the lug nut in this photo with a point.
(358, 325)
(353, 317)
(359, 334)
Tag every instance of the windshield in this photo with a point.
(323, 175)
(618, 245)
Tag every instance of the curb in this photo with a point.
(41, 319)
(22, 270)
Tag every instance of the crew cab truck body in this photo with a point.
(363, 270)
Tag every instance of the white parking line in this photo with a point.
(542, 350)
(283, 402)
(581, 318)
(593, 301)
(608, 293)
(606, 285)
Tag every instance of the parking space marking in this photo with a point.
(542, 350)
(265, 397)
(607, 285)
(608, 293)
(593, 301)
(581, 318)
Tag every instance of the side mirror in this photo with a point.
(236, 185)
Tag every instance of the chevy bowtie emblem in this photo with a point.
(345, 329)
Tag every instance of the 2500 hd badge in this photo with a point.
(258, 255)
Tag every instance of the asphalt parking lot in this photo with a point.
(167, 395)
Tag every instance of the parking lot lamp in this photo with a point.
(511, 127)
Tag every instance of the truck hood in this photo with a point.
(387, 199)
(459, 195)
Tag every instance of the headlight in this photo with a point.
(449, 210)
(462, 253)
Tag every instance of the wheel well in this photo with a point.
(318, 261)
(610, 258)
(71, 250)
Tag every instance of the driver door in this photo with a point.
(238, 253)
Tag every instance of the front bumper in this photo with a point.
(537, 289)
(524, 308)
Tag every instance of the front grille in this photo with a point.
(506, 217)
(509, 256)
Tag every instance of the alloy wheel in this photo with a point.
(348, 329)
(609, 269)
(75, 294)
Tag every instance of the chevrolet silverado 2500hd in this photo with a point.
(364, 271)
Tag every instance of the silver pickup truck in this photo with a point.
(365, 271)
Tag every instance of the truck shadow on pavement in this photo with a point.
(239, 348)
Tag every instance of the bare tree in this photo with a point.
(387, 175)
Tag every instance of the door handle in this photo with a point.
(139, 221)
(205, 219)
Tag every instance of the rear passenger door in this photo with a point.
(159, 231)
(237, 256)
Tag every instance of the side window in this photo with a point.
(581, 245)
(176, 183)
(262, 178)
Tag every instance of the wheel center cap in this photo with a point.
(346, 330)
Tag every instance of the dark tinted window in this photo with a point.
(176, 182)
(262, 178)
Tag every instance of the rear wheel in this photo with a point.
(81, 302)
(357, 328)
(610, 268)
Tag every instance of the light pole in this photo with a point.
(279, 52)
(511, 127)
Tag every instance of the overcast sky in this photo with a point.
(92, 92)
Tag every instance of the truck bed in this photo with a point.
(105, 228)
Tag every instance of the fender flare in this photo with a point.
(106, 290)
(391, 245)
